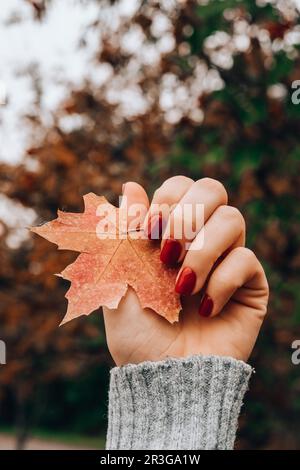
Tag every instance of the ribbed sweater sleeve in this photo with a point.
(191, 403)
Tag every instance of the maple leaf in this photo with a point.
(111, 259)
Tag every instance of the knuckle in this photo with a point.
(221, 279)
(245, 254)
(177, 180)
(233, 214)
(157, 193)
(249, 258)
(171, 188)
(216, 187)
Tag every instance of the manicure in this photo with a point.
(170, 252)
(186, 282)
(206, 306)
(155, 227)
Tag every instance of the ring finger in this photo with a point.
(224, 231)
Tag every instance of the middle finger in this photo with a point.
(185, 222)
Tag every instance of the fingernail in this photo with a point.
(155, 227)
(171, 252)
(123, 187)
(206, 306)
(186, 282)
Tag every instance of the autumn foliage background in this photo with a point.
(213, 80)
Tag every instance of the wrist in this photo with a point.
(154, 356)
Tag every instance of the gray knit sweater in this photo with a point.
(188, 404)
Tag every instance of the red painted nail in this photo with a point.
(206, 306)
(171, 252)
(155, 227)
(186, 282)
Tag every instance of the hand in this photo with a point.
(223, 285)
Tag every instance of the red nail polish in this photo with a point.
(155, 227)
(186, 282)
(170, 253)
(206, 306)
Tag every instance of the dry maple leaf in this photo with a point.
(112, 259)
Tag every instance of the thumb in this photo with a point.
(134, 205)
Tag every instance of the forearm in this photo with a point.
(190, 403)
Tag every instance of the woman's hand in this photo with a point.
(223, 285)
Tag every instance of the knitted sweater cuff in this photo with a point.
(190, 403)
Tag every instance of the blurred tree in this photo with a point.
(38, 353)
(193, 87)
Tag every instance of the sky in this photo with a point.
(51, 46)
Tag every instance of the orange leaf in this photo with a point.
(111, 259)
